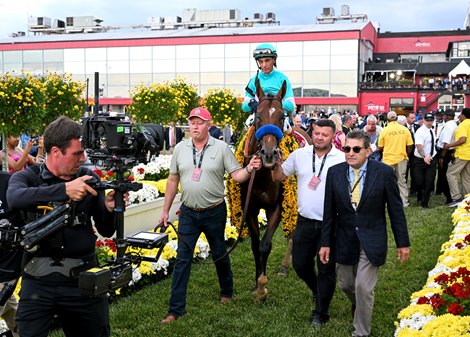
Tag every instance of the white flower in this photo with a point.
(203, 248)
(161, 264)
(136, 276)
(415, 322)
(147, 193)
(154, 166)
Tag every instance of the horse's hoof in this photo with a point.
(261, 291)
(261, 295)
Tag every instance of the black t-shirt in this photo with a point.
(10, 259)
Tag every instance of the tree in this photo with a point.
(63, 97)
(164, 102)
(22, 104)
(225, 108)
(28, 103)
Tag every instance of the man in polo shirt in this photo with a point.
(198, 165)
(461, 164)
(395, 143)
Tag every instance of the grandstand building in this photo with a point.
(342, 66)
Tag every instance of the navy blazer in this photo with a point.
(366, 227)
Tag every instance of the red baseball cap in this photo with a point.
(202, 113)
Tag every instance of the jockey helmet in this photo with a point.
(264, 50)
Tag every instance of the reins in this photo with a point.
(240, 232)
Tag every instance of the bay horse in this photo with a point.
(265, 193)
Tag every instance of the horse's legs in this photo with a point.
(265, 245)
(253, 226)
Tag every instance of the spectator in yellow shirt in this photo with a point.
(395, 143)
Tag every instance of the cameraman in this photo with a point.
(50, 273)
(10, 259)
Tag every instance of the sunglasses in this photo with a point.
(356, 149)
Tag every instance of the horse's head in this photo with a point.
(269, 123)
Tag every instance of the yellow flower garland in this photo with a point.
(289, 203)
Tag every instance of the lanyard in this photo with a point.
(202, 155)
(322, 163)
(357, 182)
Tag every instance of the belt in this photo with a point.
(206, 209)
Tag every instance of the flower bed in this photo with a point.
(442, 307)
(151, 272)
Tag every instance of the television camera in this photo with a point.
(95, 281)
(113, 141)
(110, 138)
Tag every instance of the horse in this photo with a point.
(265, 193)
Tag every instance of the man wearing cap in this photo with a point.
(445, 155)
(438, 122)
(425, 161)
(461, 164)
(395, 143)
(198, 165)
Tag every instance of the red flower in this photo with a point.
(99, 173)
(459, 245)
(130, 178)
(423, 300)
(141, 170)
(455, 293)
(99, 243)
(437, 301)
(467, 238)
(441, 279)
(455, 309)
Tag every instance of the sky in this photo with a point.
(393, 16)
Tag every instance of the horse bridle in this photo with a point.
(270, 98)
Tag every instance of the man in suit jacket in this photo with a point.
(354, 223)
(173, 135)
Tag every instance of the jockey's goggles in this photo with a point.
(265, 52)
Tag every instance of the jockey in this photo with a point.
(270, 80)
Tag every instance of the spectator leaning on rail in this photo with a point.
(270, 80)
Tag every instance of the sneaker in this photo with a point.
(454, 203)
(283, 271)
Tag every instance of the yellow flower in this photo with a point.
(289, 202)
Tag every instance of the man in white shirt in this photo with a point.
(445, 156)
(438, 122)
(310, 164)
(425, 161)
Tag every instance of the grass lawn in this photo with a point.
(288, 308)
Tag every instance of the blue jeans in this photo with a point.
(191, 224)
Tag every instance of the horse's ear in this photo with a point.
(259, 90)
(282, 92)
